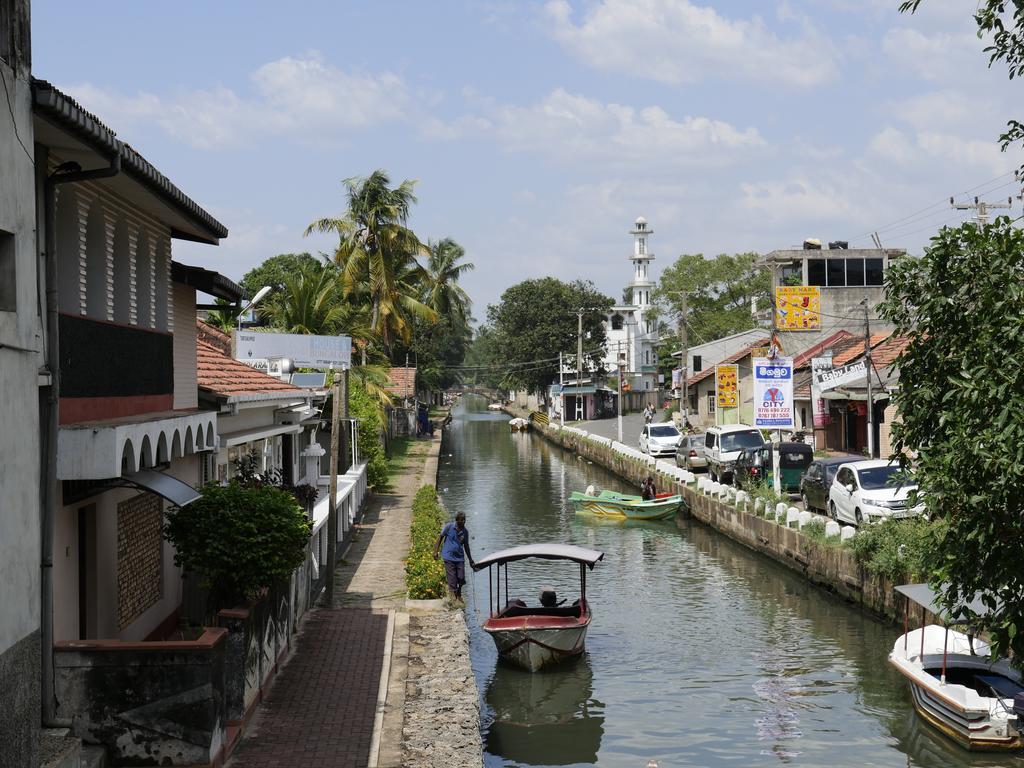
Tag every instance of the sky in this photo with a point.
(538, 131)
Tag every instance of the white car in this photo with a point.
(869, 491)
(659, 439)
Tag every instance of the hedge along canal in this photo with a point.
(702, 652)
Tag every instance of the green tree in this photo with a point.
(536, 319)
(719, 292)
(274, 272)
(377, 253)
(1005, 32)
(226, 318)
(365, 405)
(443, 293)
(308, 302)
(961, 405)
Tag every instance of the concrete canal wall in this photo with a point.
(827, 564)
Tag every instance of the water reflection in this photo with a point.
(701, 652)
(547, 718)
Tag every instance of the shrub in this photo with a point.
(424, 576)
(371, 430)
(242, 540)
(898, 549)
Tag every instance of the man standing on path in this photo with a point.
(454, 539)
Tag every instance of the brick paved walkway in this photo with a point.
(320, 710)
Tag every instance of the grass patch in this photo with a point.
(424, 576)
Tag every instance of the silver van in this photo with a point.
(723, 444)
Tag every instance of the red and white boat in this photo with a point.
(534, 637)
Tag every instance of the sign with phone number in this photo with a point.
(773, 393)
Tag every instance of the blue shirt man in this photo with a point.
(454, 539)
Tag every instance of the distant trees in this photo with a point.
(719, 292)
(533, 322)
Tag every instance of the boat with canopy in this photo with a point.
(534, 637)
(955, 685)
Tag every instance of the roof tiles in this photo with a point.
(226, 377)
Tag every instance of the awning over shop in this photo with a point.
(170, 488)
(259, 433)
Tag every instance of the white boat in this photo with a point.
(955, 687)
(494, 407)
(534, 637)
(519, 424)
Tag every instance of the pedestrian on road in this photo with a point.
(453, 541)
(648, 413)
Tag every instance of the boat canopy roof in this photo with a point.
(928, 598)
(581, 555)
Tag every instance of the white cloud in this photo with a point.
(297, 96)
(677, 41)
(572, 128)
(799, 198)
(938, 56)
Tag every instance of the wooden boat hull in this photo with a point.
(534, 643)
(625, 507)
(981, 723)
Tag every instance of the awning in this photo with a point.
(170, 488)
(580, 555)
(926, 597)
(259, 433)
(207, 281)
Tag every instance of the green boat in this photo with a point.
(624, 506)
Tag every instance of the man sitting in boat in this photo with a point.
(548, 598)
(647, 489)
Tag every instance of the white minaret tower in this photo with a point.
(641, 285)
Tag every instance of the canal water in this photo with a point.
(701, 652)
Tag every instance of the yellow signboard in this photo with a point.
(798, 307)
(726, 385)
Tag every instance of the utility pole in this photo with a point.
(343, 449)
(619, 366)
(981, 208)
(684, 395)
(332, 490)
(579, 364)
(870, 368)
(561, 391)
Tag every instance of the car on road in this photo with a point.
(690, 453)
(748, 469)
(659, 439)
(870, 491)
(757, 465)
(817, 480)
(722, 446)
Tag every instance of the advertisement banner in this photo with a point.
(727, 386)
(304, 350)
(677, 379)
(773, 392)
(818, 407)
(837, 377)
(798, 307)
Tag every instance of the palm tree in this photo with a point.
(224, 318)
(377, 253)
(308, 303)
(444, 294)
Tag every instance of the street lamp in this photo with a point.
(255, 300)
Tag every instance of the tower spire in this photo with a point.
(641, 285)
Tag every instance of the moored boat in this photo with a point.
(625, 506)
(956, 688)
(534, 637)
(519, 424)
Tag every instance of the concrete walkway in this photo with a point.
(323, 709)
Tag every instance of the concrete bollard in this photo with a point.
(792, 516)
(780, 510)
(713, 488)
(831, 529)
(847, 532)
(741, 499)
(804, 518)
(758, 506)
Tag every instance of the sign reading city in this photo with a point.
(798, 307)
(726, 386)
(304, 350)
(837, 377)
(773, 392)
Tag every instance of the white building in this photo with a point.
(631, 330)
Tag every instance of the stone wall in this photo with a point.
(139, 555)
(834, 568)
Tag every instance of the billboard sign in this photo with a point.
(837, 377)
(304, 350)
(727, 386)
(821, 414)
(773, 392)
(798, 307)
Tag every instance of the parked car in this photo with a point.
(659, 439)
(870, 491)
(690, 453)
(817, 480)
(722, 446)
(757, 465)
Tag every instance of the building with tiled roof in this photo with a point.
(213, 336)
(703, 403)
(222, 376)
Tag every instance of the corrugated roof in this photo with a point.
(698, 377)
(224, 376)
(402, 382)
(64, 111)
